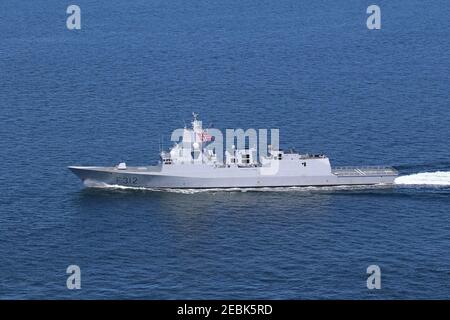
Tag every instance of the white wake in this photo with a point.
(438, 178)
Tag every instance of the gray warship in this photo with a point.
(188, 165)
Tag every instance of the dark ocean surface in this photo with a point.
(137, 69)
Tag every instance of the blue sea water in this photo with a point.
(137, 69)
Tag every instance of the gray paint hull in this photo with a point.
(156, 177)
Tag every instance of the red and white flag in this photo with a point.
(205, 137)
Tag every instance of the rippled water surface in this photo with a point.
(137, 69)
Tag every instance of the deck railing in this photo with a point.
(363, 171)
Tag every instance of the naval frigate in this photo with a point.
(190, 165)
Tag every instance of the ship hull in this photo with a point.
(155, 177)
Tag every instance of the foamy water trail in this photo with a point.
(438, 178)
